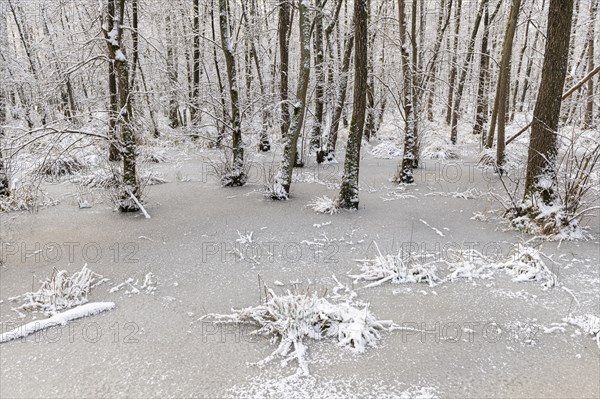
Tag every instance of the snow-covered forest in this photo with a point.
(300, 198)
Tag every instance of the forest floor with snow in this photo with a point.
(207, 250)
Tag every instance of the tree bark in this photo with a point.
(283, 178)
(589, 110)
(237, 176)
(284, 54)
(195, 109)
(116, 50)
(463, 73)
(453, 69)
(349, 191)
(340, 99)
(404, 173)
(317, 130)
(499, 112)
(541, 175)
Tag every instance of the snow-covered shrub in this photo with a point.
(26, 196)
(59, 165)
(229, 173)
(440, 150)
(61, 291)
(397, 269)
(526, 264)
(386, 150)
(152, 155)
(324, 204)
(470, 265)
(293, 318)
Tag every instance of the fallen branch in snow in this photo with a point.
(59, 319)
(294, 317)
(138, 203)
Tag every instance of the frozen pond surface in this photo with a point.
(486, 338)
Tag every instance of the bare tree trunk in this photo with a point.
(404, 174)
(589, 110)
(530, 66)
(283, 178)
(464, 70)
(452, 79)
(432, 66)
(540, 182)
(484, 78)
(114, 40)
(222, 125)
(172, 73)
(195, 109)
(4, 188)
(499, 111)
(340, 99)
(317, 130)
(237, 176)
(284, 53)
(520, 66)
(348, 197)
(114, 154)
(504, 83)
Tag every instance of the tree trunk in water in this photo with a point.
(284, 51)
(283, 178)
(114, 40)
(463, 73)
(589, 111)
(405, 169)
(317, 130)
(348, 197)
(541, 176)
(499, 112)
(236, 176)
(452, 79)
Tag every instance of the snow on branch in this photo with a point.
(59, 319)
(293, 318)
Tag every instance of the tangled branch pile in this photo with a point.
(292, 318)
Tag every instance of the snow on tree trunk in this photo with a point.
(317, 130)
(348, 197)
(284, 27)
(463, 74)
(237, 176)
(541, 175)
(283, 178)
(404, 173)
(502, 89)
(589, 111)
(114, 40)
